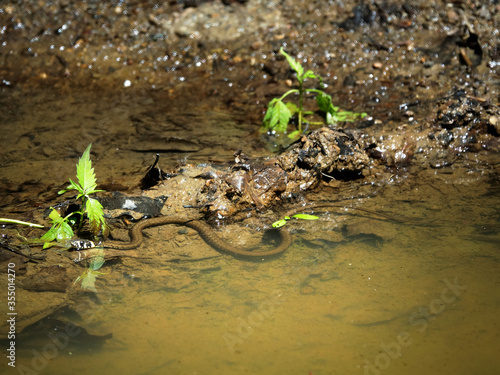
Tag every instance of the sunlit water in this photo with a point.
(353, 295)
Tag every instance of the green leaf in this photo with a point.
(59, 231)
(94, 191)
(269, 113)
(55, 216)
(325, 103)
(47, 245)
(85, 172)
(71, 186)
(347, 116)
(95, 213)
(280, 223)
(50, 235)
(294, 64)
(305, 217)
(294, 134)
(292, 108)
(309, 74)
(277, 116)
(65, 232)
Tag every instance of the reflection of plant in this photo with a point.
(280, 223)
(61, 229)
(278, 113)
(89, 276)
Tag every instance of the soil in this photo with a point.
(191, 80)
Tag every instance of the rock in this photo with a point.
(52, 278)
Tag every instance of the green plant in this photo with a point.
(91, 208)
(278, 113)
(280, 223)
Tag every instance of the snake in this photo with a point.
(208, 234)
(205, 231)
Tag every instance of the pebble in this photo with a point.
(307, 289)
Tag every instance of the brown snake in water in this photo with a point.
(208, 234)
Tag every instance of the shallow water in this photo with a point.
(355, 294)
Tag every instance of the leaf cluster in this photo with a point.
(60, 230)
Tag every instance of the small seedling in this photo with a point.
(282, 222)
(61, 229)
(85, 187)
(278, 113)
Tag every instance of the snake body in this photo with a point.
(204, 230)
(210, 236)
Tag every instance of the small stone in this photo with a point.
(377, 65)
(307, 289)
(182, 230)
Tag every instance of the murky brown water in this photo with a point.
(353, 295)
